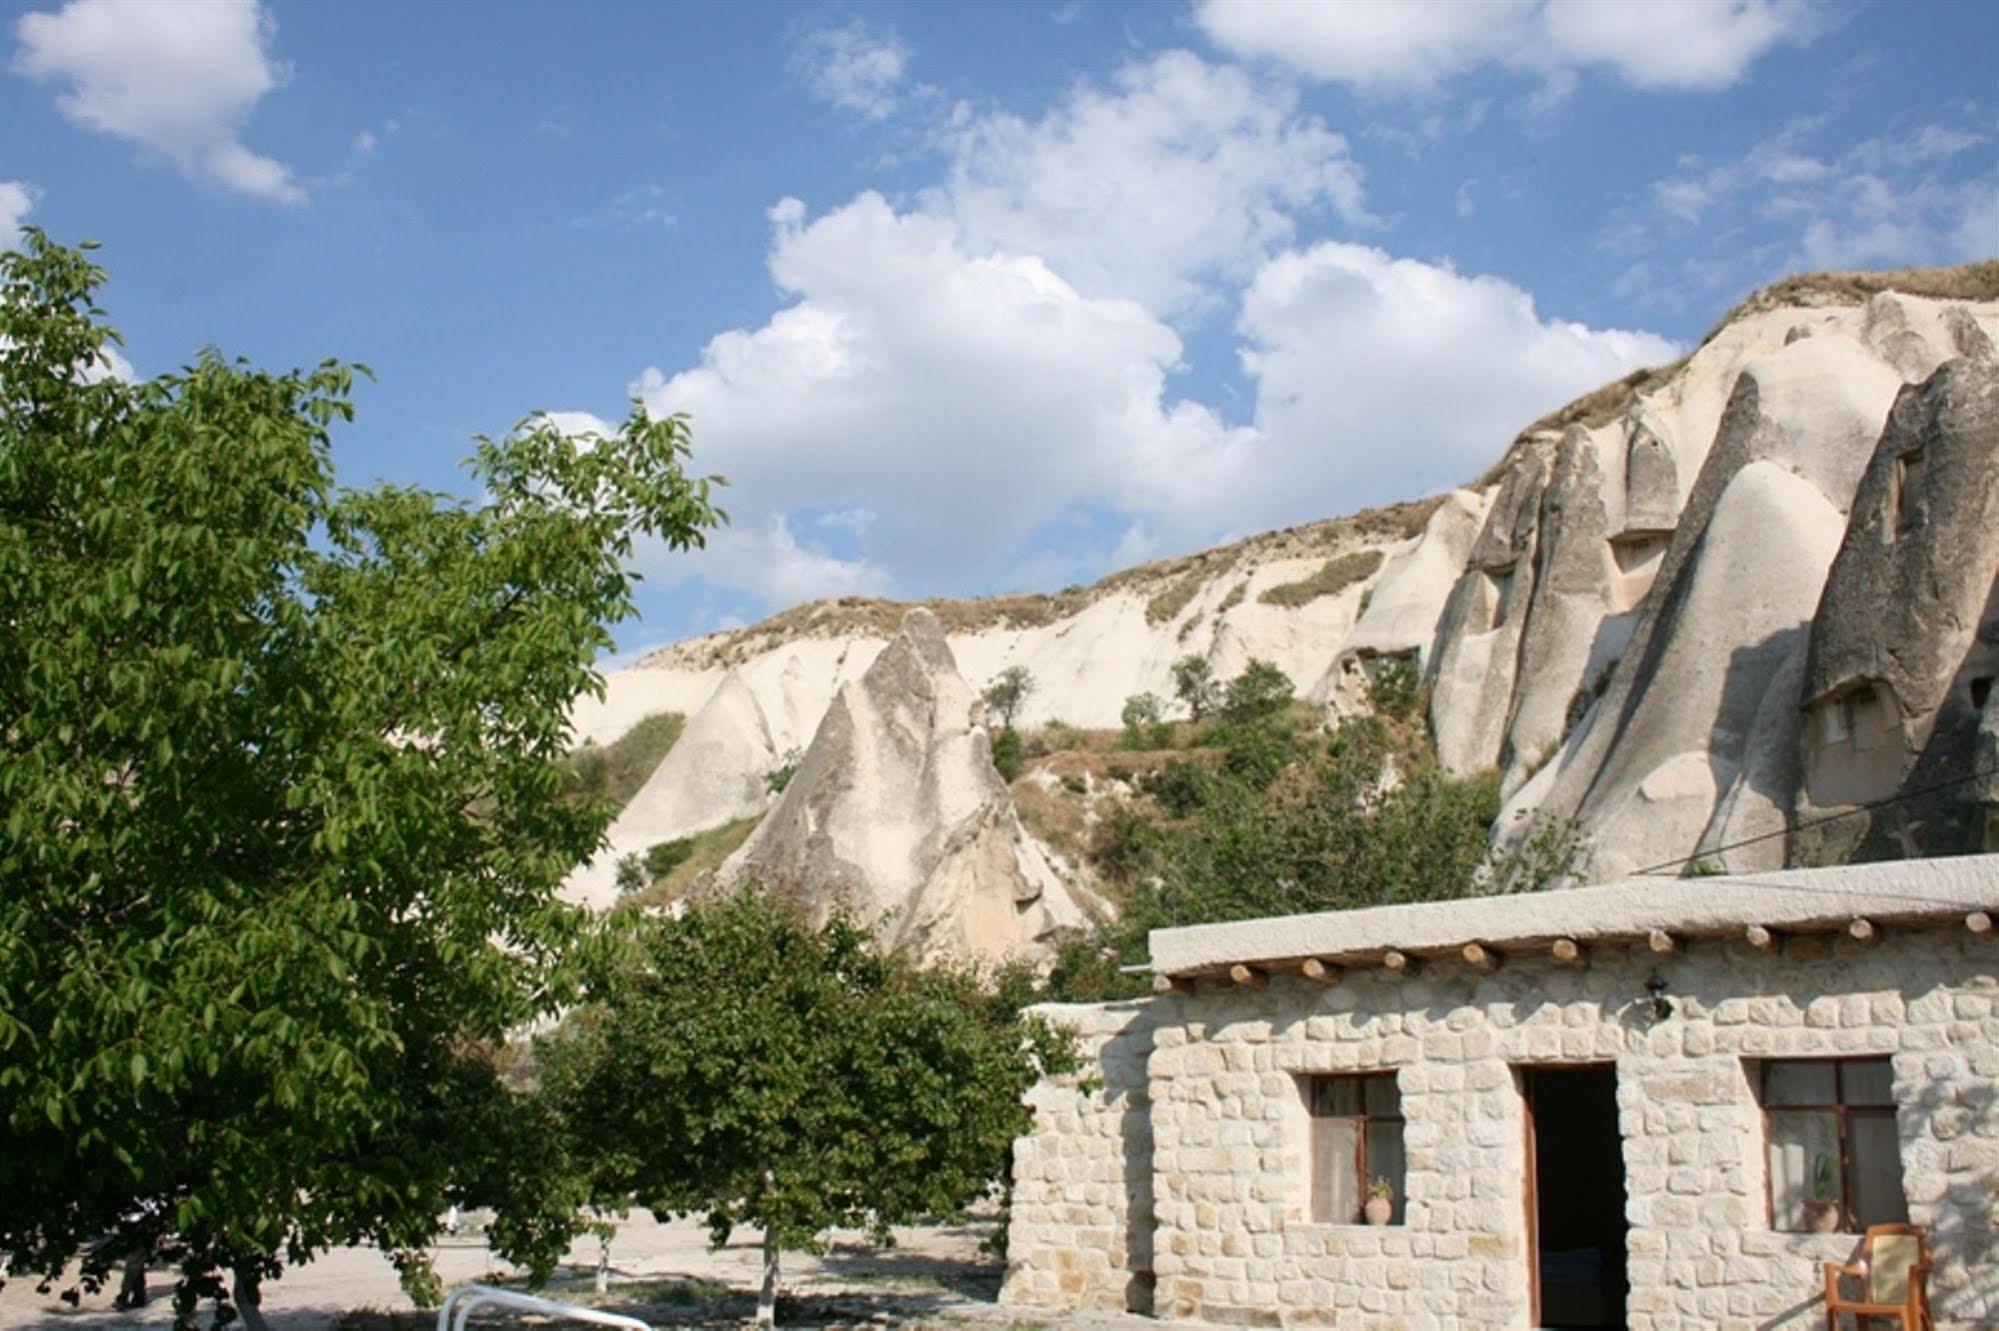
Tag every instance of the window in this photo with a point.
(1857, 717)
(1356, 1144)
(1908, 478)
(1830, 1124)
(1501, 591)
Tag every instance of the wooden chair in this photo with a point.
(1894, 1277)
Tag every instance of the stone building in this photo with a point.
(1660, 1103)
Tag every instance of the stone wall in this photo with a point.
(1081, 1230)
(1233, 1239)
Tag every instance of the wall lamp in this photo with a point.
(1655, 989)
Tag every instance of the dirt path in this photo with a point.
(664, 1273)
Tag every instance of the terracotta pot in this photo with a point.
(1378, 1210)
(1821, 1217)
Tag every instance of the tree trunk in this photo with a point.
(603, 1261)
(250, 1300)
(767, 1295)
(132, 1285)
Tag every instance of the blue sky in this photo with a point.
(967, 299)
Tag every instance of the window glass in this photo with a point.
(1804, 1165)
(1356, 1139)
(1867, 1081)
(1384, 1160)
(1833, 1147)
(1336, 1095)
(1800, 1082)
(1335, 1170)
(1876, 1153)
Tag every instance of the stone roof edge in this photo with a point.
(1791, 899)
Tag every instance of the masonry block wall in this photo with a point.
(1081, 1229)
(1233, 1241)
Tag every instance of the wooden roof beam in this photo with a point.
(1480, 957)
(1319, 972)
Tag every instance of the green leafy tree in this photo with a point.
(1195, 686)
(280, 785)
(630, 874)
(1261, 692)
(740, 1064)
(1008, 693)
(1145, 724)
(1362, 821)
(1364, 818)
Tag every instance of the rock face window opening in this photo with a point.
(1356, 1144)
(1834, 1156)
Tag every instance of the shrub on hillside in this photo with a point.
(1145, 723)
(1396, 688)
(1007, 755)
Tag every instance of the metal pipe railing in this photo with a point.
(465, 1299)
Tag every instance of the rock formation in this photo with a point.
(1651, 765)
(717, 771)
(1627, 616)
(1478, 653)
(1905, 644)
(897, 813)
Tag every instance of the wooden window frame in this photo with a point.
(1362, 1178)
(1843, 1115)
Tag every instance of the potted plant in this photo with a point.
(1822, 1210)
(1380, 1204)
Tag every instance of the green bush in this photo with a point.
(780, 776)
(1007, 755)
(1180, 787)
(1259, 693)
(1396, 688)
(614, 772)
(665, 856)
(1331, 578)
(1145, 723)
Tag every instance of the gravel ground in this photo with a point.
(665, 1274)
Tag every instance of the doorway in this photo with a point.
(1575, 1196)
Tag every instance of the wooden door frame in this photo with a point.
(1523, 1077)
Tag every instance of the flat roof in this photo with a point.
(1798, 900)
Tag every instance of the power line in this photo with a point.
(1856, 810)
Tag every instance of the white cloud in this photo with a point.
(1978, 224)
(17, 199)
(1697, 45)
(968, 403)
(1399, 46)
(641, 208)
(1179, 172)
(179, 77)
(852, 68)
(964, 398)
(110, 364)
(974, 390)
(1381, 378)
(1896, 199)
(766, 560)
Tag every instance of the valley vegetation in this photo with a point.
(287, 801)
(1254, 805)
